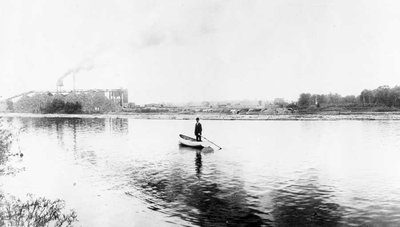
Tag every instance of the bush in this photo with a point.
(55, 106)
(59, 106)
(71, 108)
(293, 106)
(34, 212)
(5, 138)
(10, 105)
(312, 108)
(91, 102)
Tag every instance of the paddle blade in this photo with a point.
(207, 149)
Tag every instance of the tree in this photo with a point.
(366, 97)
(10, 105)
(395, 93)
(280, 102)
(383, 96)
(72, 108)
(322, 99)
(55, 106)
(349, 99)
(334, 98)
(304, 100)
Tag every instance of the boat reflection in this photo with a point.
(199, 164)
(204, 150)
(199, 197)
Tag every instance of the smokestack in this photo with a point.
(73, 78)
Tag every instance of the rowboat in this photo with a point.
(191, 142)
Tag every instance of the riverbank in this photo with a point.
(206, 116)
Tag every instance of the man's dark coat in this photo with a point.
(198, 129)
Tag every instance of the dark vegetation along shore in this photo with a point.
(94, 102)
(383, 99)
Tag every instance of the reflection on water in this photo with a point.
(193, 196)
(198, 163)
(305, 203)
(276, 174)
(119, 124)
(28, 211)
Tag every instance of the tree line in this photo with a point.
(381, 96)
(59, 106)
(93, 102)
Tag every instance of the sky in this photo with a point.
(187, 50)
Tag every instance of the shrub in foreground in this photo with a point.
(34, 212)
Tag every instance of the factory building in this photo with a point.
(119, 96)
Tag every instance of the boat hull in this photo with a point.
(191, 142)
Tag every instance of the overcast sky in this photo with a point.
(182, 50)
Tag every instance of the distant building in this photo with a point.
(119, 96)
(276, 110)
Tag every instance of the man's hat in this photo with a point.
(197, 118)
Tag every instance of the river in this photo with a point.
(132, 172)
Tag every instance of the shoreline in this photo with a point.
(165, 116)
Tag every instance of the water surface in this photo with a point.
(129, 172)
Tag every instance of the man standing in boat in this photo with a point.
(198, 129)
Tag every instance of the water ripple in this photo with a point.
(322, 178)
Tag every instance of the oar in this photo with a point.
(212, 142)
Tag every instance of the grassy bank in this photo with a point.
(347, 109)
